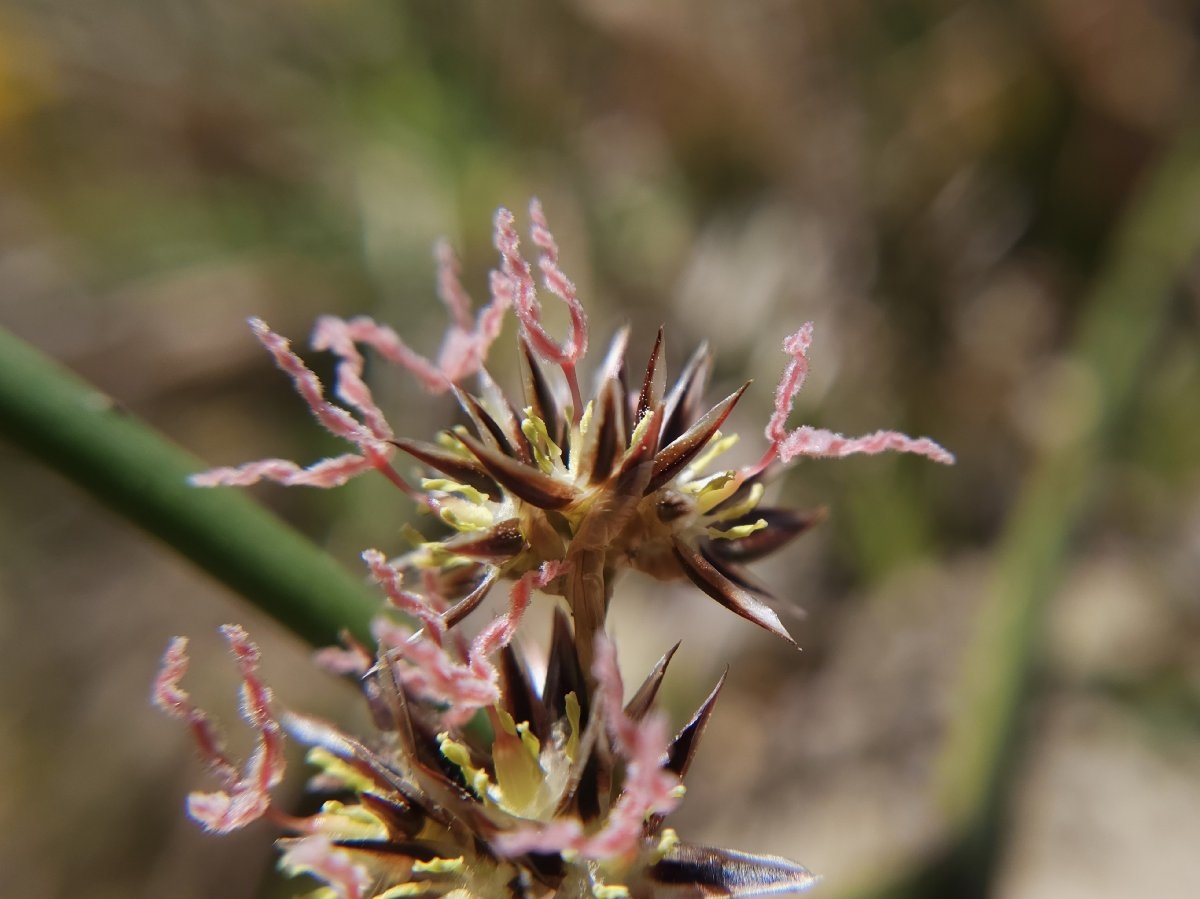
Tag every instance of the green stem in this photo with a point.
(1154, 248)
(87, 437)
(1156, 245)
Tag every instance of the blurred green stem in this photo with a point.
(87, 437)
(1156, 244)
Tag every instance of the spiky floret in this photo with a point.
(551, 493)
(625, 481)
(568, 798)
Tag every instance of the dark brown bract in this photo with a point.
(623, 485)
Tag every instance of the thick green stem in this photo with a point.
(88, 438)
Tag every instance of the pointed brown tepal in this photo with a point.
(454, 466)
(564, 674)
(638, 465)
(651, 393)
(699, 872)
(643, 699)
(682, 405)
(402, 820)
(389, 850)
(530, 484)
(613, 365)
(702, 573)
(502, 540)
(471, 601)
(603, 442)
(315, 732)
(783, 526)
(505, 415)
(683, 747)
(518, 695)
(735, 573)
(487, 427)
(539, 396)
(672, 458)
(644, 450)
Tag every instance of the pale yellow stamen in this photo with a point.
(460, 756)
(546, 453)
(717, 444)
(438, 866)
(736, 533)
(445, 485)
(745, 507)
(334, 767)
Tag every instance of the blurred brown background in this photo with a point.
(936, 184)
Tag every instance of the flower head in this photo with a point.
(566, 797)
(553, 493)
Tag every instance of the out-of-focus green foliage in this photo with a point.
(939, 185)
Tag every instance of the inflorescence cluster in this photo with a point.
(482, 782)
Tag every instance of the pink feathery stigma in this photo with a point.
(352, 660)
(435, 673)
(558, 284)
(449, 285)
(247, 796)
(489, 323)
(391, 580)
(331, 333)
(370, 437)
(385, 341)
(500, 632)
(611, 690)
(466, 345)
(463, 351)
(648, 789)
(514, 282)
(796, 346)
(389, 634)
(170, 697)
(820, 443)
(432, 591)
(326, 473)
(317, 855)
(335, 419)
(545, 839)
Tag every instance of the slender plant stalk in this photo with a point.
(1153, 249)
(87, 437)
